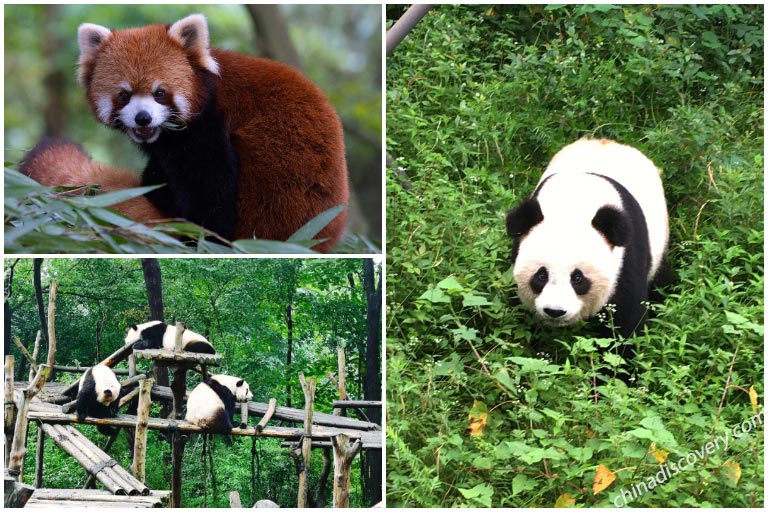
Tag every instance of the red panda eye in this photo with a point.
(159, 94)
(124, 96)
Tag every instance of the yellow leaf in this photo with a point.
(476, 427)
(753, 398)
(478, 417)
(658, 454)
(732, 472)
(565, 501)
(604, 477)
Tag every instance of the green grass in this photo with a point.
(478, 100)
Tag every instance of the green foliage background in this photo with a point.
(339, 48)
(238, 304)
(478, 98)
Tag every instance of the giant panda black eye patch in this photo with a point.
(580, 283)
(539, 280)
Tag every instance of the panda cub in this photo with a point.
(98, 395)
(156, 335)
(594, 232)
(211, 404)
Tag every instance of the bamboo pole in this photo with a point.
(140, 439)
(19, 445)
(306, 448)
(343, 454)
(9, 405)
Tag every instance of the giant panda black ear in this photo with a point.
(521, 219)
(613, 224)
(239, 383)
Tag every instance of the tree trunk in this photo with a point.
(273, 39)
(289, 355)
(154, 283)
(371, 462)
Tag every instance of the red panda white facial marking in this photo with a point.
(159, 88)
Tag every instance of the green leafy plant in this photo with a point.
(479, 98)
(40, 220)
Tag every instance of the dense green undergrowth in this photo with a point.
(485, 407)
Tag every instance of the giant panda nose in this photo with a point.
(554, 313)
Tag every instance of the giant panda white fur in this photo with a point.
(211, 404)
(98, 395)
(156, 334)
(594, 232)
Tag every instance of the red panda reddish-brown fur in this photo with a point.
(60, 162)
(256, 123)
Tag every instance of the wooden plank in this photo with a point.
(371, 439)
(356, 404)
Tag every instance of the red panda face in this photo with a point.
(143, 80)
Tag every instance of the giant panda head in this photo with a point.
(567, 260)
(106, 385)
(242, 391)
(135, 332)
(239, 387)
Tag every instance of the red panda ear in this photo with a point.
(192, 34)
(89, 37)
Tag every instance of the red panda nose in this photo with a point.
(143, 118)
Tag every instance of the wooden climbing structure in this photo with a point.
(48, 404)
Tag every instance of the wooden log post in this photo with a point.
(39, 452)
(306, 448)
(140, 439)
(342, 383)
(244, 414)
(343, 454)
(267, 415)
(19, 445)
(179, 388)
(35, 353)
(10, 362)
(52, 325)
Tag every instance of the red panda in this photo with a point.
(247, 147)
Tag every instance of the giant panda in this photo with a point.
(98, 395)
(594, 232)
(211, 405)
(156, 334)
